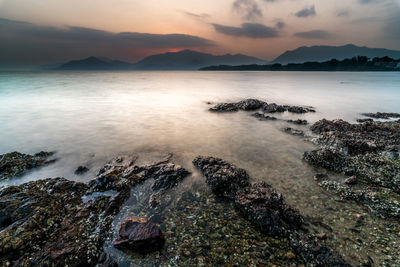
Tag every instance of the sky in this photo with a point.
(37, 32)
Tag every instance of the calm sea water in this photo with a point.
(89, 117)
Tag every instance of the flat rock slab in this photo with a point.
(139, 235)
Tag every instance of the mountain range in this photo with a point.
(182, 60)
(325, 53)
(193, 60)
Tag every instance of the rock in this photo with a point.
(263, 116)
(298, 122)
(168, 175)
(293, 131)
(139, 235)
(272, 108)
(382, 115)
(247, 104)
(314, 251)
(263, 206)
(225, 107)
(225, 179)
(81, 170)
(15, 163)
(250, 104)
(364, 120)
(51, 224)
(326, 158)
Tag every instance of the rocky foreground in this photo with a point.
(57, 222)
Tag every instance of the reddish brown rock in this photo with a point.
(139, 235)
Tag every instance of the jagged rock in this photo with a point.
(225, 179)
(298, 122)
(293, 131)
(225, 107)
(139, 235)
(266, 208)
(250, 104)
(320, 176)
(81, 170)
(382, 115)
(364, 120)
(167, 176)
(15, 163)
(298, 109)
(272, 108)
(263, 116)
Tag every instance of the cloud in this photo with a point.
(306, 12)
(25, 42)
(251, 30)
(194, 15)
(366, 1)
(314, 34)
(248, 8)
(280, 25)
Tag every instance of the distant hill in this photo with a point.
(360, 63)
(95, 63)
(324, 53)
(182, 60)
(192, 60)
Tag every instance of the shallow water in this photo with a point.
(87, 118)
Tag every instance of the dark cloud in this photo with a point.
(27, 43)
(251, 30)
(248, 8)
(314, 34)
(280, 25)
(306, 12)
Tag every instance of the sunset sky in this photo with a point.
(36, 32)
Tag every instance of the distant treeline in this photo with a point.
(360, 63)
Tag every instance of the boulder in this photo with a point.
(139, 235)
(250, 104)
(225, 179)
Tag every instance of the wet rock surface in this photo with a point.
(139, 235)
(15, 163)
(367, 152)
(293, 131)
(57, 222)
(382, 115)
(266, 208)
(254, 104)
(49, 224)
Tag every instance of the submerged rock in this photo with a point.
(298, 122)
(263, 116)
(139, 235)
(293, 131)
(225, 179)
(314, 251)
(15, 163)
(81, 170)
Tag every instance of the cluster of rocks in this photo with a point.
(15, 163)
(255, 104)
(367, 152)
(266, 208)
(57, 222)
(382, 115)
